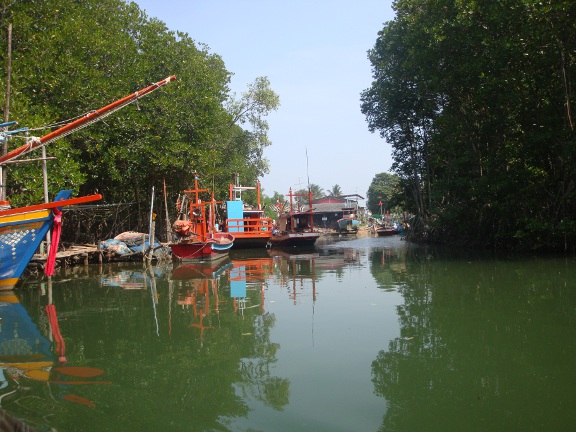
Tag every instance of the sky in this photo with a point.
(314, 52)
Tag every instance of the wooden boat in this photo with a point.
(386, 231)
(203, 248)
(249, 226)
(23, 229)
(385, 228)
(348, 223)
(295, 227)
(198, 239)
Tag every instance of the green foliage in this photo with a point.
(476, 99)
(384, 188)
(70, 57)
(336, 190)
(317, 193)
(271, 204)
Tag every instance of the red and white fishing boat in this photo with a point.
(249, 225)
(23, 229)
(198, 239)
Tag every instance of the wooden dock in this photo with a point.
(82, 255)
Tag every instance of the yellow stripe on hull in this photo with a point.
(8, 297)
(8, 284)
(24, 217)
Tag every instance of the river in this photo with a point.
(357, 334)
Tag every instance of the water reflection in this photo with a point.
(296, 272)
(357, 334)
(388, 266)
(34, 367)
(236, 288)
(483, 345)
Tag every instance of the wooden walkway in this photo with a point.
(75, 255)
(83, 255)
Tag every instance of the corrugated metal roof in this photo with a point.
(327, 208)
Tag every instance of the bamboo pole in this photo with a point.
(3, 192)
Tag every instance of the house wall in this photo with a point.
(330, 222)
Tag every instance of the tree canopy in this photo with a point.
(71, 57)
(476, 99)
(336, 190)
(383, 189)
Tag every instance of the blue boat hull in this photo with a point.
(348, 224)
(20, 237)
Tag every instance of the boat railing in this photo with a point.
(249, 225)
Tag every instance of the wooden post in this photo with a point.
(168, 237)
(99, 251)
(151, 245)
(3, 191)
(45, 182)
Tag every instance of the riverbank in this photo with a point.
(85, 254)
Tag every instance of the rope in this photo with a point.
(50, 262)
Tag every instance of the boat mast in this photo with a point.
(87, 119)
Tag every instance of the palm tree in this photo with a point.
(336, 190)
(317, 192)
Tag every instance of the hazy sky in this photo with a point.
(314, 52)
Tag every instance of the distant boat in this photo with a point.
(348, 223)
(198, 239)
(386, 227)
(386, 231)
(23, 229)
(295, 226)
(249, 226)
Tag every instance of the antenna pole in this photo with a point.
(307, 175)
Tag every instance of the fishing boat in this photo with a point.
(249, 226)
(23, 229)
(197, 237)
(295, 226)
(386, 227)
(348, 223)
(386, 230)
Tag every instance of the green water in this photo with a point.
(366, 334)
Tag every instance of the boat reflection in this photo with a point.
(194, 281)
(34, 364)
(238, 284)
(205, 269)
(199, 286)
(199, 324)
(295, 269)
(248, 276)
